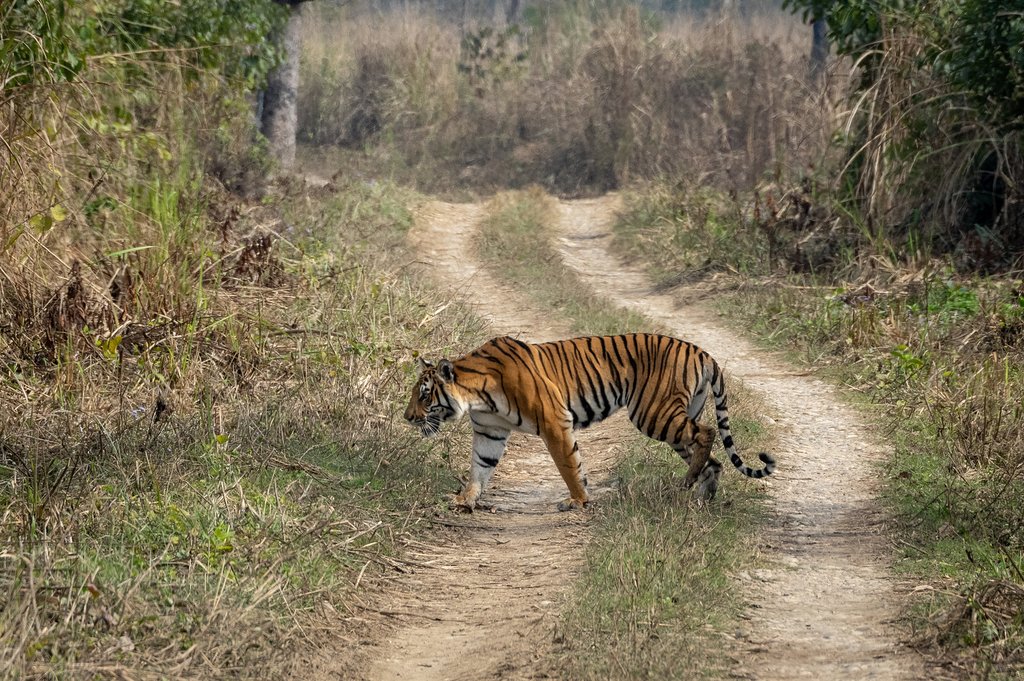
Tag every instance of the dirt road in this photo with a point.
(485, 606)
(825, 607)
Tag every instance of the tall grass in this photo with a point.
(577, 97)
(929, 165)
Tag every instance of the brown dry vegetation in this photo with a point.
(200, 462)
(578, 99)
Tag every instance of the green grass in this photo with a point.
(201, 500)
(659, 584)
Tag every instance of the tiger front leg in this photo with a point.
(565, 452)
(488, 446)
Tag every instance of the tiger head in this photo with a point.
(435, 397)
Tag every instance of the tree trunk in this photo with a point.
(819, 50)
(280, 109)
(512, 13)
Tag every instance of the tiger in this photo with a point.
(555, 388)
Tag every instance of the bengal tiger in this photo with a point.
(552, 389)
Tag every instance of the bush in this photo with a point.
(934, 139)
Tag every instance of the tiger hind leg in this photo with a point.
(692, 441)
(707, 481)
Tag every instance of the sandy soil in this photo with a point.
(484, 604)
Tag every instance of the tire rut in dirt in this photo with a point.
(484, 603)
(824, 606)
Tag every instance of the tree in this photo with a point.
(279, 117)
(819, 49)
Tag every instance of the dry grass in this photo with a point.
(201, 464)
(578, 101)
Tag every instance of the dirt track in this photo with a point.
(485, 606)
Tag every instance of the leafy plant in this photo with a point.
(979, 52)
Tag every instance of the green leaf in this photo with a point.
(14, 238)
(41, 222)
(58, 213)
(109, 346)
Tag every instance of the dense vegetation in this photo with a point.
(934, 160)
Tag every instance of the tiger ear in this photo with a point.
(446, 370)
(425, 363)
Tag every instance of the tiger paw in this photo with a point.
(570, 504)
(708, 486)
(460, 504)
